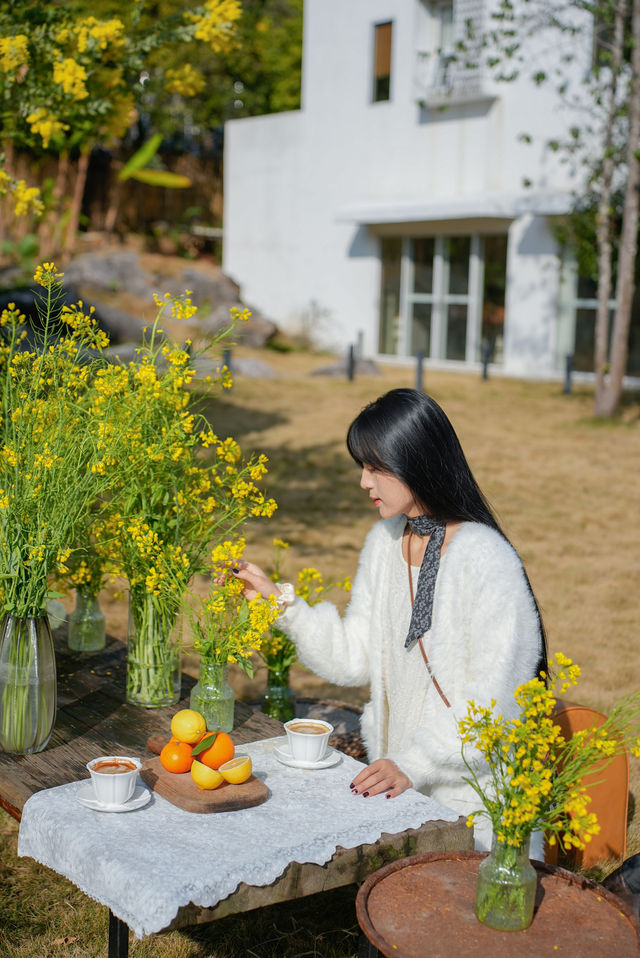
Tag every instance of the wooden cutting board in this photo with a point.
(181, 790)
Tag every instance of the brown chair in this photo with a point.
(609, 797)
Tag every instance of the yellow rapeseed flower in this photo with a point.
(14, 52)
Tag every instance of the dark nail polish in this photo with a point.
(352, 785)
(387, 795)
(354, 791)
(365, 794)
(235, 569)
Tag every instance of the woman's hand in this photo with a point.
(256, 582)
(381, 776)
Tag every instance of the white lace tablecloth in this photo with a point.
(145, 864)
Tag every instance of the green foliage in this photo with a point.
(69, 79)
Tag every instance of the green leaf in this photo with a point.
(141, 157)
(206, 743)
(162, 178)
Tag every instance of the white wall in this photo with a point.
(289, 177)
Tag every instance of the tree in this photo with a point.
(69, 80)
(603, 140)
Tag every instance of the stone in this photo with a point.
(116, 271)
(256, 332)
(207, 289)
(240, 366)
(120, 326)
(363, 367)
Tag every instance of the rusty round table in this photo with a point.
(423, 907)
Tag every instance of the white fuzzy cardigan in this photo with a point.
(484, 642)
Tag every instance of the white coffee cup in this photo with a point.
(308, 738)
(114, 778)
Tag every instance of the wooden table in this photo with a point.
(93, 719)
(425, 906)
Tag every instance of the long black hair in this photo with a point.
(405, 432)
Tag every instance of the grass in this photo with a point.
(566, 490)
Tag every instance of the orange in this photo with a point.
(222, 750)
(176, 756)
(237, 771)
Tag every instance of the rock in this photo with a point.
(12, 277)
(363, 367)
(122, 353)
(240, 366)
(256, 332)
(120, 326)
(252, 368)
(114, 271)
(207, 289)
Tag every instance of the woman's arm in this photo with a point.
(335, 648)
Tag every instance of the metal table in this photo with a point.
(424, 905)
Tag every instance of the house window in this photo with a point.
(443, 15)
(495, 283)
(382, 61)
(448, 296)
(391, 263)
(576, 337)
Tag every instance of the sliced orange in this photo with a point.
(205, 777)
(237, 771)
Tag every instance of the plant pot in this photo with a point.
(28, 692)
(506, 889)
(278, 699)
(86, 624)
(213, 697)
(153, 659)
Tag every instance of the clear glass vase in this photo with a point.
(28, 691)
(86, 624)
(506, 890)
(153, 657)
(213, 697)
(278, 699)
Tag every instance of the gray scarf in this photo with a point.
(423, 602)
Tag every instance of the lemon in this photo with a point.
(236, 771)
(205, 777)
(188, 726)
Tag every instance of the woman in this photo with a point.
(441, 609)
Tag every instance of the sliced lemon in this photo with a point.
(237, 771)
(189, 726)
(205, 777)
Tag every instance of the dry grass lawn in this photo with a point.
(566, 490)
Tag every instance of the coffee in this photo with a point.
(306, 728)
(113, 767)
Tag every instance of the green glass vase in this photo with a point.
(506, 889)
(86, 624)
(28, 689)
(278, 699)
(153, 657)
(213, 697)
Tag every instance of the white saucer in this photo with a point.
(282, 753)
(140, 797)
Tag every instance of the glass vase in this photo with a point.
(278, 699)
(27, 684)
(506, 890)
(86, 624)
(213, 697)
(153, 658)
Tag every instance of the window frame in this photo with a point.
(379, 92)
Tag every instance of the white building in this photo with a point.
(391, 210)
